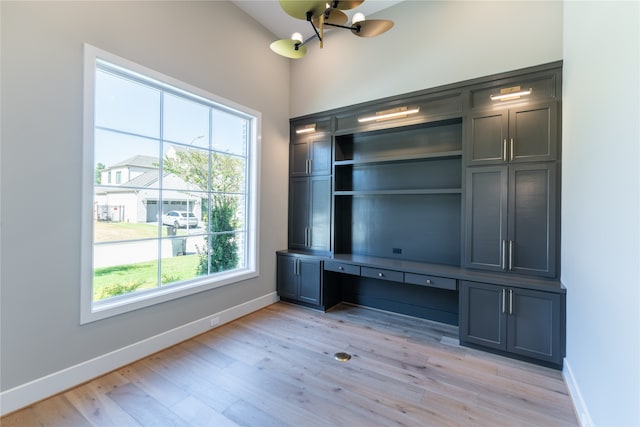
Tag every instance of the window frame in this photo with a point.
(91, 311)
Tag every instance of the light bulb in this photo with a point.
(297, 37)
(357, 17)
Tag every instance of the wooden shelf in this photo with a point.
(399, 192)
(411, 157)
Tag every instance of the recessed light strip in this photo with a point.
(393, 115)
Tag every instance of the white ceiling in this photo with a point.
(272, 17)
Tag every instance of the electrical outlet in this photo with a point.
(214, 321)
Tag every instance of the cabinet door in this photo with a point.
(486, 217)
(310, 285)
(320, 156)
(533, 133)
(287, 283)
(298, 212)
(320, 214)
(299, 158)
(534, 324)
(487, 137)
(482, 315)
(532, 219)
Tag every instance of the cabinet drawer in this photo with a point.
(377, 273)
(342, 268)
(432, 281)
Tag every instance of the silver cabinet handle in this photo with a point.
(504, 300)
(380, 275)
(510, 301)
(340, 268)
(504, 149)
(504, 255)
(429, 281)
(510, 255)
(511, 151)
(309, 173)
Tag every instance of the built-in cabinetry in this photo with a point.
(310, 186)
(397, 192)
(520, 321)
(299, 278)
(442, 204)
(510, 218)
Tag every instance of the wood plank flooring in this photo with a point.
(276, 367)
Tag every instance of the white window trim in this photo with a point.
(90, 312)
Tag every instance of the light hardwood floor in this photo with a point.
(276, 367)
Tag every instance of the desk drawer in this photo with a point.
(340, 267)
(432, 281)
(377, 273)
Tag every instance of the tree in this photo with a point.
(99, 168)
(221, 215)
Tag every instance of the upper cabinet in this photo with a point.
(514, 119)
(310, 149)
(520, 134)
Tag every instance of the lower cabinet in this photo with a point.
(299, 278)
(519, 321)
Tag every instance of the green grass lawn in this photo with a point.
(122, 279)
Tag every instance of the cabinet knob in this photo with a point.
(380, 275)
(341, 268)
(429, 281)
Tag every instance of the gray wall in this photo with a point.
(601, 207)
(42, 84)
(432, 43)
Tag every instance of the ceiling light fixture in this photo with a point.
(320, 14)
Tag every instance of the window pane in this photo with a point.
(226, 173)
(223, 252)
(229, 132)
(126, 105)
(185, 121)
(186, 169)
(122, 268)
(132, 156)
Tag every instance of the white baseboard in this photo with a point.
(41, 388)
(579, 405)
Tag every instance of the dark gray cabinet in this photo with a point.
(519, 134)
(310, 153)
(310, 187)
(299, 278)
(510, 218)
(519, 321)
(310, 213)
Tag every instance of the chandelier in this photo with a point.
(321, 14)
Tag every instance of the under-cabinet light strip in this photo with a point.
(388, 115)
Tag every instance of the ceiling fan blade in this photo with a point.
(346, 4)
(336, 17)
(287, 48)
(299, 8)
(372, 27)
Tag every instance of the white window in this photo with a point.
(184, 219)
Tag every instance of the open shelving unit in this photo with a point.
(397, 192)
